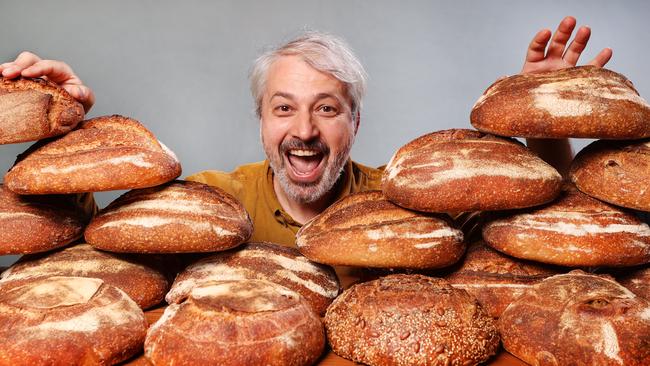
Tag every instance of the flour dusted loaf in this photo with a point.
(285, 266)
(140, 277)
(636, 280)
(617, 172)
(496, 279)
(575, 231)
(34, 109)
(410, 320)
(584, 101)
(36, 224)
(366, 230)
(578, 319)
(178, 217)
(105, 153)
(247, 322)
(464, 170)
(68, 321)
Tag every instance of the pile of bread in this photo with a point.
(542, 280)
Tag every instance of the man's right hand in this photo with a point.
(30, 65)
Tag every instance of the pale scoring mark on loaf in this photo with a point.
(16, 215)
(609, 345)
(492, 285)
(76, 266)
(137, 160)
(386, 233)
(56, 292)
(372, 247)
(259, 298)
(155, 221)
(168, 151)
(175, 206)
(535, 222)
(645, 314)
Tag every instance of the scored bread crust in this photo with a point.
(584, 101)
(366, 230)
(636, 280)
(461, 170)
(34, 109)
(104, 153)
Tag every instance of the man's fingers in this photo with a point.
(561, 37)
(81, 93)
(538, 46)
(578, 45)
(26, 59)
(57, 71)
(602, 57)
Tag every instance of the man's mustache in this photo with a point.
(297, 144)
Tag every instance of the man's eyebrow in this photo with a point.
(282, 94)
(327, 95)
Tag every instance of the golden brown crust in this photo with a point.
(177, 217)
(248, 322)
(105, 153)
(463, 170)
(615, 171)
(584, 101)
(636, 280)
(366, 230)
(34, 109)
(578, 319)
(410, 320)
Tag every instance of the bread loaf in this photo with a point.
(366, 230)
(37, 224)
(34, 109)
(617, 172)
(585, 101)
(636, 280)
(176, 217)
(578, 319)
(68, 321)
(285, 266)
(248, 322)
(105, 153)
(410, 320)
(575, 230)
(465, 170)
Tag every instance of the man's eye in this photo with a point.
(328, 109)
(283, 108)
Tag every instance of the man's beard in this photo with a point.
(313, 191)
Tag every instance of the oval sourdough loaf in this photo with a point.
(617, 172)
(636, 280)
(34, 109)
(247, 322)
(578, 319)
(366, 230)
(105, 153)
(176, 217)
(463, 170)
(285, 266)
(575, 231)
(410, 320)
(68, 321)
(584, 101)
(31, 224)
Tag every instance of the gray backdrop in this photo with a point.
(181, 67)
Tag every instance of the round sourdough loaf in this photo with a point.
(584, 101)
(105, 153)
(68, 321)
(177, 217)
(247, 322)
(410, 320)
(495, 279)
(636, 280)
(463, 170)
(31, 224)
(366, 230)
(617, 172)
(285, 266)
(140, 277)
(578, 319)
(34, 109)
(575, 230)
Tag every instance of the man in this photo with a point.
(308, 94)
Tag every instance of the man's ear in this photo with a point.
(357, 120)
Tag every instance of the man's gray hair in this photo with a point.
(322, 51)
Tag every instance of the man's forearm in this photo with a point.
(557, 152)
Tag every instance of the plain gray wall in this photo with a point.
(181, 67)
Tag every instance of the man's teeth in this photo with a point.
(303, 152)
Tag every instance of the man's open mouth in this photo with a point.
(305, 165)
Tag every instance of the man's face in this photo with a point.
(306, 127)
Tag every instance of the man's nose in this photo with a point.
(304, 126)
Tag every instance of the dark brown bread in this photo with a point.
(617, 172)
(178, 217)
(34, 109)
(105, 153)
(366, 230)
(68, 321)
(578, 319)
(36, 224)
(584, 101)
(463, 170)
(140, 277)
(575, 231)
(248, 322)
(636, 280)
(410, 320)
(495, 279)
(285, 266)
